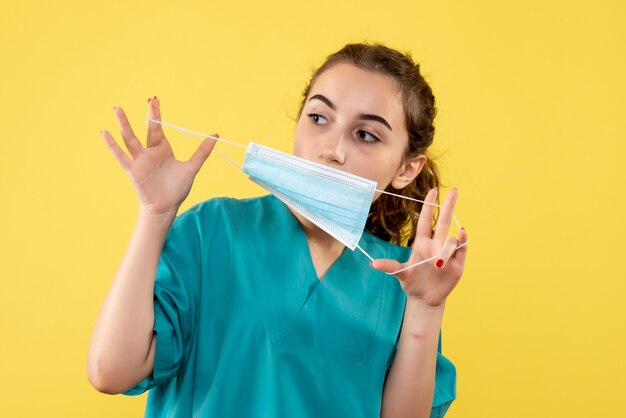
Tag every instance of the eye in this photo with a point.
(317, 119)
(366, 137)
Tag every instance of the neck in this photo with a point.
(316, 235)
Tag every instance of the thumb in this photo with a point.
(202, 153)
(386, 265)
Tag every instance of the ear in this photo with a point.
(408, 171)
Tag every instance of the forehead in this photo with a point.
(353, 89)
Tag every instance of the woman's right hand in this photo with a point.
(162, 183)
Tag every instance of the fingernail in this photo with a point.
(154, 97)
(217, 135)
(114, 107)
(463, 228)
(371, 264)
(149, 99)
(439, 263)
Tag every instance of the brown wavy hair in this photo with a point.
(391, 218)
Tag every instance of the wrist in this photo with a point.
(422, 321)
(153, 212)
(417, 304)
(159, 218)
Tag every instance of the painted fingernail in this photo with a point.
(439, 263)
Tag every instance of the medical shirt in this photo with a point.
(244, 328)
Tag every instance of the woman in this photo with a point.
(247, 308)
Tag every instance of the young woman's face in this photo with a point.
(353, 120)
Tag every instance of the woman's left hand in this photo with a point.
(431, 283)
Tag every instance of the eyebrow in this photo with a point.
(361, 116)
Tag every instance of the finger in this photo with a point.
(425, 219)
(202, 153)
(461, 253)
(118, 153)
(445, 217)
(386, 265)
(132, 143)
(446, 252)
(155, 130)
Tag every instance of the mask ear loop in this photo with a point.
(421, 261)
(195, 135)
(417, 200)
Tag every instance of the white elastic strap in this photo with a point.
(192, 134)
(366, 254)
(417, 200)
(411, 265)
(423, 261)
(228, 158)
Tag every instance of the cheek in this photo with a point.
(384, 168)
(297, 148)
(299, 141)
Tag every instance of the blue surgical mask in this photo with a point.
(335, 201)
(306, 186)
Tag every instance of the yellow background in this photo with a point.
(531, 129)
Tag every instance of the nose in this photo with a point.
(332, 150)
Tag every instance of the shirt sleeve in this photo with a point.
(445, 381)
(174, 307)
